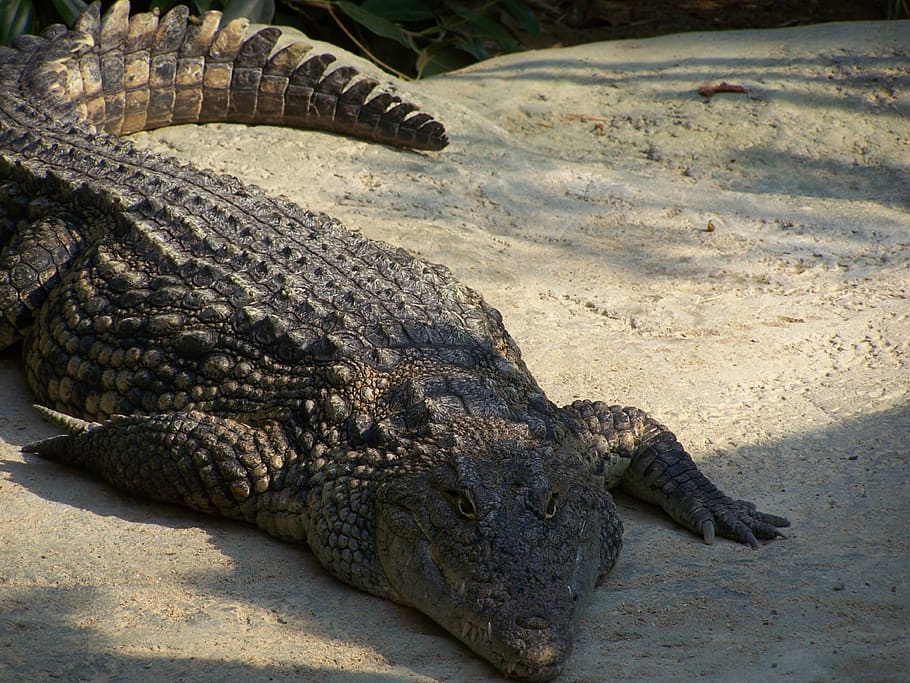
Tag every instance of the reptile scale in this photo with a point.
(201, 343)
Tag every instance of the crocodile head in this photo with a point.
(501, 543)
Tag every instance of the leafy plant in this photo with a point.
(898, 9)
(23, 16)
(415, 38)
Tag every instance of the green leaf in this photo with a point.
(373, 22)
(69, 10)
(523, 14)
(483, 28)
(437, 59)
(16, 18)
(399, 10)
(474, 47)
(257, 11)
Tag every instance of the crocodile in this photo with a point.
(199, 342)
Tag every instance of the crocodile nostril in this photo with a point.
(533, 622)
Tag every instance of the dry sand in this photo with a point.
(776, 346)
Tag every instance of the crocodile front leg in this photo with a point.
(208, 463)
(33, 257)
(644, 459)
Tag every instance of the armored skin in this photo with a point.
(201, 343)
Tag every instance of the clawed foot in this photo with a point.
(740, 521)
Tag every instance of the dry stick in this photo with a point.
(723, 86)
(396, 72)
(585, 117)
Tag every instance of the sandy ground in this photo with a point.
(575, 195)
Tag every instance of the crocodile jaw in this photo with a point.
(509, 588)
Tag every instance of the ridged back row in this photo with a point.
(127, 73)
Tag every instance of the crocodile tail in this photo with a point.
(126, 73)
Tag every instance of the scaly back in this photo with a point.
(146, 234)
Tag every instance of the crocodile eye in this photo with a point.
(463, 503)
(552, 506)
(466, 507)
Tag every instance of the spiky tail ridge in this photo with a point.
(125, 73)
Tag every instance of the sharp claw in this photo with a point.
(70, 424)
(750, 539)
(779, 521)
(773, 520)
(707, 531)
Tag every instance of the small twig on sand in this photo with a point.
(723, 86)
(585, 117)
(598, 121)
